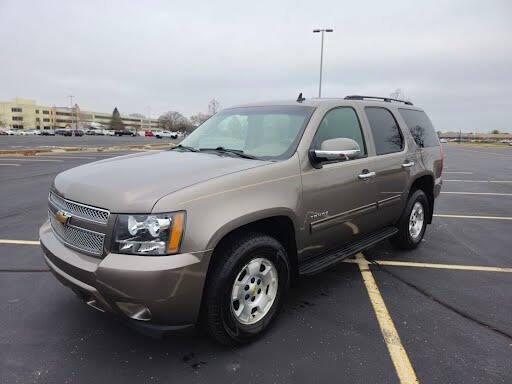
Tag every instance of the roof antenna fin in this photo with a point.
(300, 99)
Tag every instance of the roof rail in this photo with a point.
(387, 99)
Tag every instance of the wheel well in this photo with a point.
(279, 227)
(426, 184)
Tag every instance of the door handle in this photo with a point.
(366, 175)
(408, 164)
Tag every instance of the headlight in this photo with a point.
(149, 234)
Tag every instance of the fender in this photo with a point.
(248, 219)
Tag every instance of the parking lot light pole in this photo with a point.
(323, 30)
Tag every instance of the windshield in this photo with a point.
(268, 133)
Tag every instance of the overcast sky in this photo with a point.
(453, 58)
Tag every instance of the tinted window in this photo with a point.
(386, 133)
(421, 127)
(340, 123)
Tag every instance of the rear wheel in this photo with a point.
(245, 288)
(413, 223)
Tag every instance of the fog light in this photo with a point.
(135, 311)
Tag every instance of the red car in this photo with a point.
(149, 134)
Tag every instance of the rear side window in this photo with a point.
(340, 122)
(385, 131)
(421, 127)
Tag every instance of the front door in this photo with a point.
(340, 197)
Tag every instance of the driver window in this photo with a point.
(340, 123)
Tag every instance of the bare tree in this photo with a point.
(213, 107)
(173, 121)
(397, 94)
(199, 119)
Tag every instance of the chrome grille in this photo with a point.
(83, 211)
(79, 238)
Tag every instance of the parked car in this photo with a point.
(149, 134)
(125, 132)
(63, 132)
(3, 132)
(109, 132)
(215, 229)
(29, 132)
(94, 132)
(166, 134)
(47, 132)
(443, 140)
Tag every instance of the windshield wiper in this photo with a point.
(179, 146)
(236, 152)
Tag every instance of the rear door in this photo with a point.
(393, 166)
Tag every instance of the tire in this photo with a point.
(233, 265)
(410, 238)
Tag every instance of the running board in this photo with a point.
(321, 262)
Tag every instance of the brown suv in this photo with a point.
(214, 230)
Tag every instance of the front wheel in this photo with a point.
(245, 288)
(413, 223)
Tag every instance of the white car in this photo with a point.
(94, 132)
(443, 141)
(30, 132)
(108, 132)
(166, 134)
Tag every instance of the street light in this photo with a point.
(321, 56)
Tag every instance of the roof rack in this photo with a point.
(386, 99)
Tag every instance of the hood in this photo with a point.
(134, 183)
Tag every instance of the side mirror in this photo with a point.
(336, 149)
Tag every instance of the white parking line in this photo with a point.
(63, 157)
(459, 267)
(480, 181)
(473, 217)
(459, 172)
(9, 165)
(478, 193)
(18, 159)
(484, 152)
(401, 361)
(20, 242)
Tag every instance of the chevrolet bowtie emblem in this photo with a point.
(63, 217)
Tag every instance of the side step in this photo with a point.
(321, 262)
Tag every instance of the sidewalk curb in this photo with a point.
(115, 148)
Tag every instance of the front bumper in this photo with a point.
(169, 286)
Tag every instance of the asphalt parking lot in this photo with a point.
(439, 314)
(32, 142)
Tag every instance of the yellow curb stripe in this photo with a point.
(478, 268)
(477, 193)
(22, 242)
(474, 217)
(479, 181)
(396, 350)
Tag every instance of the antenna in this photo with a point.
(300, 99)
